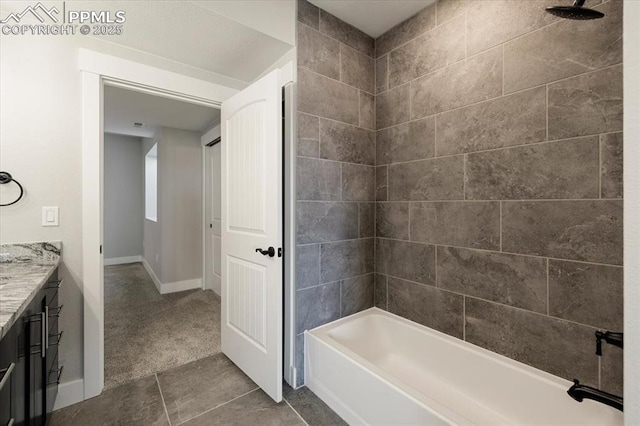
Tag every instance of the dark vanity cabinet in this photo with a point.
(29, 360)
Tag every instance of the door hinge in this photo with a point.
(279, 251)
(100, 248)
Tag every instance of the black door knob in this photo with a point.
(268, 252)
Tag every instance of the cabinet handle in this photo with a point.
(6, 373)
(44, 332)
(46, 327)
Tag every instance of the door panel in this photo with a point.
(251, 220)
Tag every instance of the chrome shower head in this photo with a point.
(577, 11)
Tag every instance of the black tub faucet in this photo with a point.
(580, 392)
(609, 337)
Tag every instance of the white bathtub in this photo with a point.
(377, 368)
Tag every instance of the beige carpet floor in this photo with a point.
(146, 332)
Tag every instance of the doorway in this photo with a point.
(98, 71)
(157, 312)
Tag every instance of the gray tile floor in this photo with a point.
(209, 391)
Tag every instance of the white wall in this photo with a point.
(173, 244)
(123, 196)
(40, 144)
(632, 212)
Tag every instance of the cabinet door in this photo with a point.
(36, 362)
(8, 355)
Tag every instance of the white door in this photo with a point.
(213, 185)
(251, 222)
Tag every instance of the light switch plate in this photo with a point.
(50, 216)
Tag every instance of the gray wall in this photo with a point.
(177, 236)
(499, 181)
(335, 171)
(123, 196)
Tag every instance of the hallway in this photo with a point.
(146, 332)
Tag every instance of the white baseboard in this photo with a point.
(122, 260)
(69, 393)
(174, 287)
(180, 286)
(153, 276)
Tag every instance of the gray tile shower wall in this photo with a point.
(498, 180)
(336, 173)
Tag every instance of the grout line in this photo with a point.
(164, 405)
(334, 39)
(218, 406)
(464, 318)
(459, 200)
(333, 79)
(503, 69)
(500, 226)
(464, 177)
(435, 249)
(548, 309)
(600, 146)
(489, 251)
(295, 411)
(409, 221)
(546, 109)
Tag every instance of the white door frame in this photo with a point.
(98, 69)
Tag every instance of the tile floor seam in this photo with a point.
(217, 406)
(164, 404)
(295, 411)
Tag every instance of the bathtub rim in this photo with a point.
(322, 334)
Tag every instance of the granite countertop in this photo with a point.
(24, 270)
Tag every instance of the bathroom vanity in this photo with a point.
(29, 332)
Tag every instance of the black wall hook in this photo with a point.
(5, 178)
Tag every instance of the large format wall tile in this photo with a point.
(356, 294)
(464, 83)
(433, 179)
(612, 371)
(414, 140)
(342, 142)
(515, 280)
(462, 224)
(380, 292)
(347, 34)
(586, 104)
(411, 261)
(308, 14)
(346, 259)
(435, 49)
(326, 221)
(367, 110)
(317, 306)
(322, 96)
(307, 266)
(497, 21)
(564, 49)
(447, 9)
(392, 107)
(579, 230)
(382, 74)
(308, 135)
(318, 180)
(392, 220)
(381, 183)
(517, 119)
(318, 53)
(426, 305)
(421, 22)
(367, 212)
(562, 348)
(358, 182)
(611, 167)
(565, 169)
(357, 69)
(586, 293)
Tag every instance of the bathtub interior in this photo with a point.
(475, 383)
